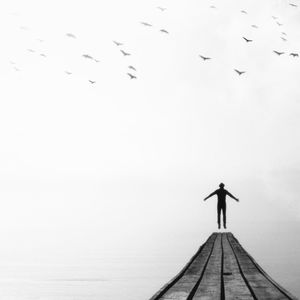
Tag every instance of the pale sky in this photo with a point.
(130, 160)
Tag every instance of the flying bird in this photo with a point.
(31, 50)
(204, 57)
(132, 68)
(243, 11)
(117, 43)
(274, 17)
(131, 76)
(161, 8)
(212, 6)
(96, 60)
(42, 54)
(294, 54)
(87, 56)
(279, 24)
(283, 33)
(125, 53)
(164, 31)
(278, 53)
(294, 5)
(240, 72)
(254, 26)
(92, 82)
(283, 39)
(247, 40)
(71, 35)
(146, 24)
(68, 72)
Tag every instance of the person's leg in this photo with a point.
(219, 216)
(224, 216)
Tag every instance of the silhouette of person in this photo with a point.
(221, 193)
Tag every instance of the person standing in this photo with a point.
(221, 193)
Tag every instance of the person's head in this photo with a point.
(221, 185)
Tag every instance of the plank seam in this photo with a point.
(260, 270)
(168, 285)
(241, 271)
(194, 290)
(222, 270)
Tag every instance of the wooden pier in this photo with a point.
(222, 269)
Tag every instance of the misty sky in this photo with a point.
(131, 160)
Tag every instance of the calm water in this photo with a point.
(136, 275)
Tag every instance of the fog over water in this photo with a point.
(102, 185)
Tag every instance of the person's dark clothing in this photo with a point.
(222, 208)
(221, 193)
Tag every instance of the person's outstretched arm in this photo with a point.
(210, 195)
(230, 195)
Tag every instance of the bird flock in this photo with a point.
(283, 37)
(132, 71)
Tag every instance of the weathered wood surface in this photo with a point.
(222, 269)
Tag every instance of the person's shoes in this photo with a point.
(219, 226)
(225, 226)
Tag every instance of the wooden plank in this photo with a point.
(234, 284)
(222, 269)
(183, 287)
(263, 288)
(210, 285)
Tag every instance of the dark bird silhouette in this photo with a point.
(92, 82)
(283, 33)
(254, 26)
(125, 53)
(96, 60)
(164, 31)
(294, 54)
(247, 40)
(278, 53)
(283, 39)
(204, 57)
(274, 17)
(132, 68)
(279, 24)
(239, 72)
(161, 8)
(68, 72)
(294, 5)
(212, 6)
(117, 43)
(131, 76)
(243, 11)
(31, 50)
(146, 24)
(42, 54)
(87, 56)
(71, 35)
